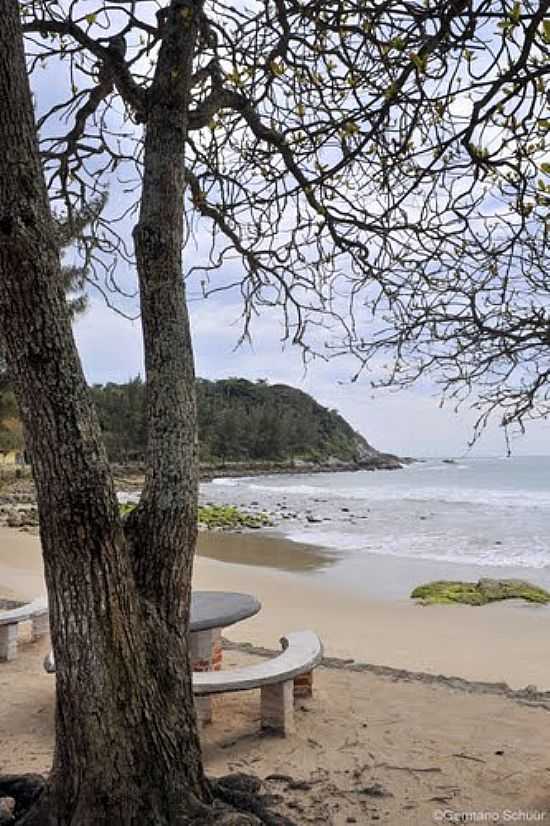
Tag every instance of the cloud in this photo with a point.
(110, 345)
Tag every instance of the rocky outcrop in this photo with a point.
(370, 459)
(444, 592)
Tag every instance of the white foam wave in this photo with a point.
(477, 497)
(125, 496)
(412, 548)
(302, 490)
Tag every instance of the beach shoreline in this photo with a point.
(497, 643)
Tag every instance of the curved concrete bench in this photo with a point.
(279, 679)
(276, 678)
(36, 612)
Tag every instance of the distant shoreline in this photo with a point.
(134, 472)
(386, 461)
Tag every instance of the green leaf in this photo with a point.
(90, 19)
(276, 69)
(349, 128)
(235, 77)
(398, 43)
(421, 63)
(515, 13)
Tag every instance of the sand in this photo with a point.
(21, 570)
(436, 752)
(367, 747)
(500, 642)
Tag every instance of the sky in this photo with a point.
(409, 423)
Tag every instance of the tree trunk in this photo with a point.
(163, 527)
(127, 749)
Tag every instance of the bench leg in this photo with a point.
(206, 655)
(203, 707)
(277, 703)
(303, 686)
(8, 642)
(217, 650)
(206, 650)
(40, 626)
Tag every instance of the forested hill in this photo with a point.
(244, 422)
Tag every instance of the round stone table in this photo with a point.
(210, 612)
(218, 609)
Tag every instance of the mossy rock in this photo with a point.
(445, 592)
(225, 517)
(124, 508)
(229, 517)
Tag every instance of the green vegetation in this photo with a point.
(230, 517)
(239, 421)
(125, 508)
(446, 592)
(226, 517)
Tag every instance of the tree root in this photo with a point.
(25, 789)
(237, 801)
(242, 793)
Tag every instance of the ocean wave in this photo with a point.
(408, 548)
(303, 490)
(475, 497)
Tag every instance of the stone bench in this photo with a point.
(36, 612)
(279, 679)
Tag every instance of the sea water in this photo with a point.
(486, 515)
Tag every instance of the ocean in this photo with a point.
(484, 516)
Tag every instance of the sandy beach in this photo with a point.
(366, 747)
(505, 642)
(372, 744)
(500, 642)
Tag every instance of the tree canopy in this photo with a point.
(377, 170)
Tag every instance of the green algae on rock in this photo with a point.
(229, 517)
(446, 592)
(224, 517)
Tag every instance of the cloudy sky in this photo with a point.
(408, 423)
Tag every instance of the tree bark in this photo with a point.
(127, 748)
(163, 527)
